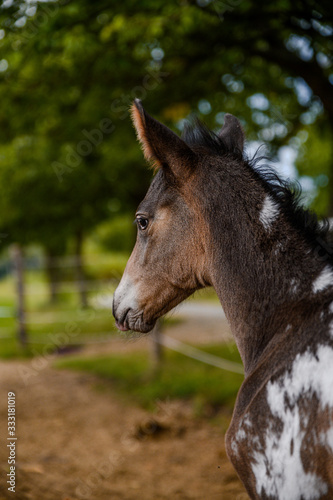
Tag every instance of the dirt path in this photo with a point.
(75, 443)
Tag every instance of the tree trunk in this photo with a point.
(17, 257)
(80, 277)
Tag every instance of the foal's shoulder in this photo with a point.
(282, 442)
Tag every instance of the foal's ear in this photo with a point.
(232, 133)
(160, 145)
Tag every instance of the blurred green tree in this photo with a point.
(70, 70)
(62, 168)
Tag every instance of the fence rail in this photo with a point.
(199, 355)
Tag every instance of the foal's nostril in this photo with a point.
(122, 323)
(122, 319)
(113, 309)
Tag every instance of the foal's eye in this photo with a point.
(142, 223)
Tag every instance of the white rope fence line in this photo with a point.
(171, 343)
(197, 354)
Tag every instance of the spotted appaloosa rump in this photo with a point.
(212, 218)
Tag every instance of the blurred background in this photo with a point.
(102, 416)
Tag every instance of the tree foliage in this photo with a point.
(70, 70)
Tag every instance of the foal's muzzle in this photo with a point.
(132, 321)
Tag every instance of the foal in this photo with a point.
(210, 219)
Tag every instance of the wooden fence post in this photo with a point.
(156, 346)
(18, 262)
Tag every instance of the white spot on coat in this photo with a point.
(311, 374)
(324, 280)
(234, 447)
(294, 286)
(278, 467)
(240, 434)
(331, 329)
(269, 212)
(326, 439)
(277, 248)
(243, 433)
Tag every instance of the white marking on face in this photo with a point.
(331, 308)
(278, 468)
(125, 296)
(269, 212)
(324, 280)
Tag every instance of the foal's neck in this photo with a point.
(264, 273)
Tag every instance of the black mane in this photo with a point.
(287, 194)
(197, 134)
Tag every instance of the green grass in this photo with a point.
(78, 326)
(10, 349)
(179, 376)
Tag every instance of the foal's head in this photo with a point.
(170, 259)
